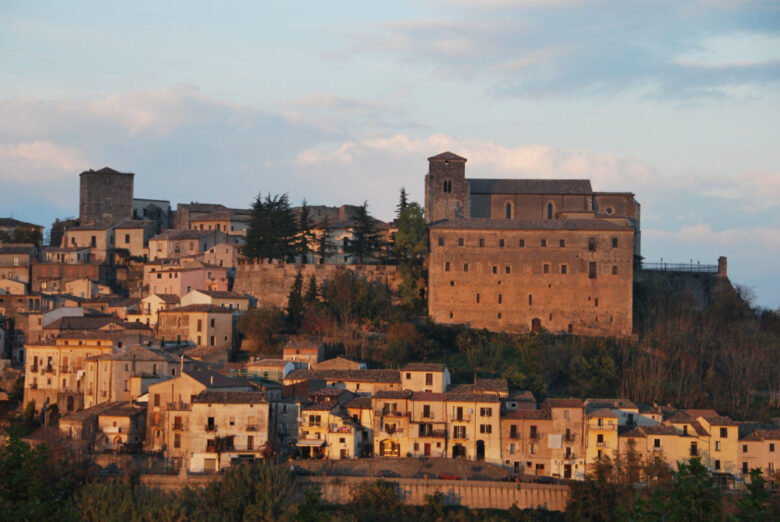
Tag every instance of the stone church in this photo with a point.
(529, 254)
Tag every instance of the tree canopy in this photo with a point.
(274, 232)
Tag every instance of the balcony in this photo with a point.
(340, 429)
(391, 430)
(33, 386)
(514, 435)
(390, 413)
(461, 418)
(600, 444)
(211, 427)
(570, 456)
(64, 369)
(433, 434)
(34, 368)
(571, 437)
(112, 429)
(178, 406)
(535, 435)
(178, 426)
(251, 428)
(49, 369)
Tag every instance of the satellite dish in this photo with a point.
(471, 410)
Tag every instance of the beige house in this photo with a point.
(475, 426)
(222, 254)
(97, 237)
(428, 424)
(173, 244)
(150, 305)
(55, 372)
(225, 427)
(121, 427)
(224, 299)
(339, 363)
(169, 406)
(566, 438)
(760, 449)
(205, 325)
(524, 447)
(232, 223)
(134, 235)
(356, 381)
(125, 373)
(271, 369)
(425, 377)
(305, 354)
(391, 423)
(15, 261)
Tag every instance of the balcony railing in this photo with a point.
(392, 430)
(514, 435)
(600, 444)
(535, 435)
(390, 413)
(681, 267)
(694, 453)
(570, 456)
(436, 434)
(178, 406)
(571, 437)
(178, 426)
(340, 429)
(64, 369)
(211, 427)
(251, 428)
(461, 418)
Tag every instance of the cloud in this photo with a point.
(32, 163)
(663, 50)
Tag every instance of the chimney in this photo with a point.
(722, 266)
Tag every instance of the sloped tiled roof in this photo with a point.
(393, 394)
(527, 414)
(563, 403)
(602, 412)
(363, 403)
(529, 186)
(211, 378)
(447, 156)
(383, 376)
(428, 396)
(455, 396)
(424, 367)
(229, 397)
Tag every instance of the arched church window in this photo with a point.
(508, 210)
(549, 210)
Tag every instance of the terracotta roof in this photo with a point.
(211, 378)
(268, 363)
(424, 367)
(90, 412)
(699, 429)
(528, 224)
(522, 396)
(198, 308)
(16, 249)
(11, 222)
(320, 406)
(720, 420)
(124, 409)
(563, 403)
(428, 396)
(455, 396)
(527, 414)
(529, 186)
(134, 353)
(602, 412)
(393, 394)
(171, 299)
(363, 403)
(618, 404)
(447, 156)
(679, 418)
(328, 392)
(482, 386)
(660, 429)
(220, 294)
(229, 397)
(383, 376)
(173, 235)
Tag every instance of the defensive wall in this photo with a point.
(471, 494)
(270, 281)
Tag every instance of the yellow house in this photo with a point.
(601, 436)
(474, 422)
(425, 377)
(313, 429)
(391, 424)
(760, 449)
(428, 425)
(652, 443)
(721, 454)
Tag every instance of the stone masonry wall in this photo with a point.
(270, 283)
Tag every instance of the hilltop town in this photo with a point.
(189, 341)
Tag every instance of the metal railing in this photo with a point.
(681, 267)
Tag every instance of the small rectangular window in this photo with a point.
(530, 299)
(495, 269)
(546, 269)
(563, 269)
(501, 243)
(127, 238)
(447, 266)
(614, 242)
(441, 241)
(508, 269)
(481, 242)
(522, 243)
(614, 270)
(500, 298)
(544, 242)
(592, 270)
(477, 298)
(562, 243)
(460, 241)
(465, 267)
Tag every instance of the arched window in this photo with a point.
(536, 325)
(447, 186)
(509, 210)
(549, 210)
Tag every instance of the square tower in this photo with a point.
(446, 190)
(105, 196)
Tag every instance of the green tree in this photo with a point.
(376, 502)
(753, 504)
(295, 303)
(58, 230)
(325, 246)
(691, 495)
(273, 229)
(403, 201)
(32, 485)
(365, 235)
(260, 327)
(259, 491)
(409, 250)
(311, 291)
(306, 228)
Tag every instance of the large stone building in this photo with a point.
(105, 196)
(519, 255)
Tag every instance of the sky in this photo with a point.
(342, 102)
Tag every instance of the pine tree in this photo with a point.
(365, 235)
(273, 230)
(295, 303)
(325, 245)
(305, 225)
(311, 291)
(402, 202)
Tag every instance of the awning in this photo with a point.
(311, 443)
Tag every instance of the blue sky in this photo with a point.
(341, 102)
